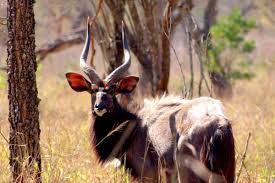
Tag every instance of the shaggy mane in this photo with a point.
(164, 100)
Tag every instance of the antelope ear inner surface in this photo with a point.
(127, 84)
(78, 82)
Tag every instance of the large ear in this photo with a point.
(127, 84)
(78, 82)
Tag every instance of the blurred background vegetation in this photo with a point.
(221, 48)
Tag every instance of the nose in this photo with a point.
(99, 106)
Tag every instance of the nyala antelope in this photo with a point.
(169, 138)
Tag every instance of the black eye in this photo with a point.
(111, 90)
(94, 90)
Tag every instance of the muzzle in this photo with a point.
(100, 109)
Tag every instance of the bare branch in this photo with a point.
(190, 52)
(99, 7)
(61, 43)
(181, 70)
(139, 51)
(210, 15)
(199, 47)
(137, 42)
(247, 174)
(107, 24)
(243, 157)
(169, 23)
(93, 50)
(137, 24)
(113, 48)
(6, 140)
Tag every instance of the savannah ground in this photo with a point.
(65, 147)
(66, 151)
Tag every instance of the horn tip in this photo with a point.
(88, 21)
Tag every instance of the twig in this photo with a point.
(147, 146)
(63, 42)
(99, 6)
(190, 50)
(125, 135)
(247, 174)
(196, 34)
(202, 76)
(243, 158)
(107, 23)
(60, 43)
(93, 50)
(4, 136)
(207, 42)
(92, 22)
(183, 77)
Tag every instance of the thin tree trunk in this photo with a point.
(165, 50)
(115, 46)
(190, 53)
(25, 159)
(149, 27)
(221, 85)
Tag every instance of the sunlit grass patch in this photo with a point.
(67, 155)
(252, 110)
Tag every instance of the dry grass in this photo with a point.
(66, 152)
(252, 110)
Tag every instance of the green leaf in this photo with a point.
(248, 46)
(228, 36)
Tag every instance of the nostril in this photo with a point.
(99, 107)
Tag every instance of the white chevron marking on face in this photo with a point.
(100, 113)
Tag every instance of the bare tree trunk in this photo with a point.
(190, 53)
(115, 47)
(165, 47)
(25, 159)
(222, 87)
(149, 26)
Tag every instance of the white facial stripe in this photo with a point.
(100, 89)
(99, 95)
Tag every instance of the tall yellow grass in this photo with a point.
(66, 152)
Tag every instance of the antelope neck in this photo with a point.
(112, 132)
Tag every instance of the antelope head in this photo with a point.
(103, 91)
